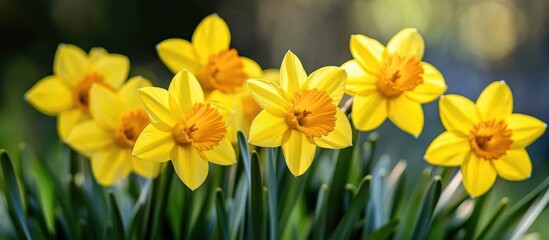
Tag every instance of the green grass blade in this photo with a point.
(411, 209)
(384, 231)
(272, 185)
(356, 207)
(257, 199)
(116, 218)
(339, 179)
(426, 209)
(497, 213)
(474, 219)
(320, 212)
(245, 154)
(531, 215)
(160, 194)
(221, 213)
(15, 206)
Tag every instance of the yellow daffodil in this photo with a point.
(219, 68)
(301, 113)
(66, 93)
(108, 138)
(487, 139)
(184, 129)
(391, 81)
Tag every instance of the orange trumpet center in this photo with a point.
(81, 90)
(223, 71)
(399, 74)
(202, 126)
(130, 126)
(312, 113)
(490, 139)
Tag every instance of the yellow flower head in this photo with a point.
(301, 113)
(66, 93)
(219, 69)
(487, 139)
(391, 81)
(108, 138)
(184, 129)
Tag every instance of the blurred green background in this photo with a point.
(471, 42)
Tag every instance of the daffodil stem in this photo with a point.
(160, 193)
(348, 104)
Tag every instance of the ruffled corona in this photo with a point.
(223, 71)
(490, 139)
(81, 90)
(130, 126)
(399, 74)
(312, 113)
(202, 126)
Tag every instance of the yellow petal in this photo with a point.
(105, 106)
(407, 115)
(230, 106)
(144, 168)
(113, 68)
(369, 111)
(128, 92)
(88, 137)
(222, 154)
(458, 113)
(70, 63)
(178, 54)
(478, 175)
(269, 96)
(330, 79)
(495, 101)
(67, 120)
(97, 52)
(367, 52)
(111, 165)
(251, 68)
(157, 106)
(267, 130)
(190, 166)
(526, 129)
(153, 145)
(432, 87)
(50, 96)
(272, 75)
(211, 36)
(185, 90)
(359, 82)
(340, 137)
(448, 150)
(515, 165)
(407, 42)
(299, 152)
(292, 74)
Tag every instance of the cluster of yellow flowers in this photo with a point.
(134, 127)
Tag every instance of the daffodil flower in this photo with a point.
(391, 81)
(184, 129)
(220, 70)
(66, 93)
(108, 138)
(487, 139)
(301, 113)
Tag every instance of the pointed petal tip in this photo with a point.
(215, 15)
(502, 82)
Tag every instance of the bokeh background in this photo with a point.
(472, 42)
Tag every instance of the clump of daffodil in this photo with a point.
(220, 70)
(391, 81)
(184, 129)
(487, 139)
(108, 138)
(66, 93)
(300, 113)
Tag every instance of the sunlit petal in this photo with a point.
(251, 68)
(407, 42)
(50, 96)
(330, 79)
(144, 168)
(70, 63)
(157, 105)
(369, 111)
(222, 154)
(153, 145)
(448, 149)
(128, 93)
(111, 165)
(292, 74)
(495, 101)
(113, 68)
(458, 113)
(105, 106)
(525, 129)
(367, 52)
(68, 119)
(88, 137)
(269, 96)
(359, 82)
(432, 87)
(210, 37)
(267, 130)
(340, 137)
(178, 54)
(515, 165)
(189, 165)
(478, 175)
(299, 152)
(185, 90)
(407, 115)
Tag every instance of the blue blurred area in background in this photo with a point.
(473, 43)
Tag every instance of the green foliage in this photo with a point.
(357, 196)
